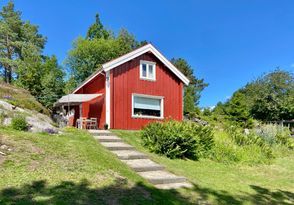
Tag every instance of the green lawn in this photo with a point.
(220, 183)
(70, 168)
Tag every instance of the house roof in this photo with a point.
(131, 55)
(76, 98)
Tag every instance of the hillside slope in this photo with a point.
(17, 101)
(69, 168)
(21, 98)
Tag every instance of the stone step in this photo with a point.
(162, 177)
(143, 165)
(103, 138)
(117, 146)
(101, 132)
(129, 154)
(174, 185)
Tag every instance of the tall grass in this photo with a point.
(232, 145)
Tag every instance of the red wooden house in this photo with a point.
(133, 90)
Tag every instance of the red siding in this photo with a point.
(96, 107)
(125, 80)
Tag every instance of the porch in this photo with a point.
(84, 111)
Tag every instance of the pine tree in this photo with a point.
(97, 30)
(18, 40)
(193, 90)
(10, 42)
(51, 81)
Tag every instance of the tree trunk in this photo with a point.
(5, 74)
(8, 69)
(9, 75)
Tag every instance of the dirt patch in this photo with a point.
(33, 166)
(35, 149)
(5, 148)
(2, 159)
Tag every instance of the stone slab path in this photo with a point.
(139, 162)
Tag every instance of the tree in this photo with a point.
(21, 59)
(268, 98)
(10, 27)
(271, 96)
(51, 81)
(87, 56)
(29, 71)
(17, 39)
(97, 30)
(99, 46)
(126, 41)
(237, 109)
(193, 91)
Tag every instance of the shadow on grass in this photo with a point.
(67, 192)
(261, 196)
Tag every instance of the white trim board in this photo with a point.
(107, 99)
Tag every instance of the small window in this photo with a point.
(147, 70)
(147, 106)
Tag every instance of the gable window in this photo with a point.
(147, 70)
(147, 106)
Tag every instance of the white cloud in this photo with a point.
(211, 107)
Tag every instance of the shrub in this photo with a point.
(178, 139)
(242, 139)
(275, 134)
(227, 150)
(19, 123)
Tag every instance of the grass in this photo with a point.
(21, 98)
(70, 168)
(221, 183)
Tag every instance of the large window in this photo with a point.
(147, 70)
(146, 106)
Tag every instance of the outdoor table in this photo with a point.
(83, 123)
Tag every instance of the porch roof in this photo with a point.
(75, 99)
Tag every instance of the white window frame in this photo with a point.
(147, 71)
(161, 98)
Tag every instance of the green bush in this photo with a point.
(275, 134)
(243, 139)
(19, 123)
(227, 150)
(178, 139)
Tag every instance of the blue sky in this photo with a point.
(227, 42)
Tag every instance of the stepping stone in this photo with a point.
(162, 177)
(117, 146)
(100, 132)
(108, 138)
(143, 165)
(174, 185)
(129, 154)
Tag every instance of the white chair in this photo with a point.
(93, 123)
